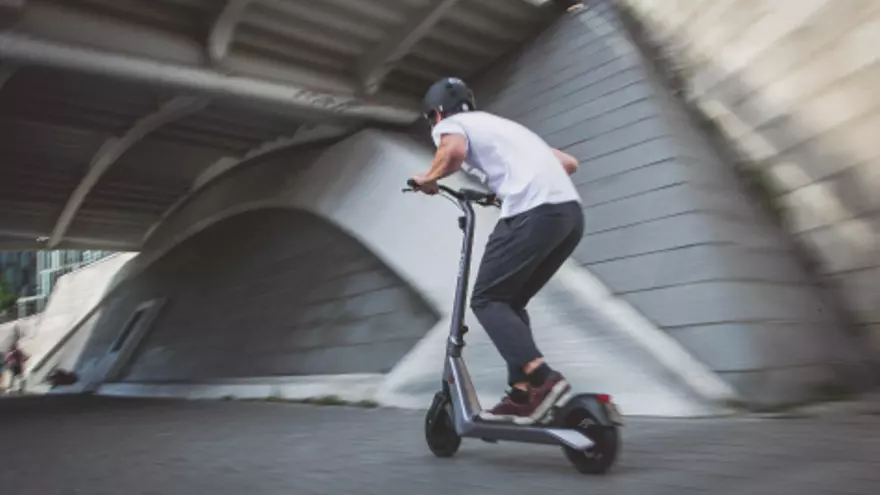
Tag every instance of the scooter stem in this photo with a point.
(456, 332)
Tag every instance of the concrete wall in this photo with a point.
(265, 293)
(215, 236)
(667, 227)
(54, 336)
(794, 84)
(669, 234)
(241, 263)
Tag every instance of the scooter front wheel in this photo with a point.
(599, 458)
(440, 433)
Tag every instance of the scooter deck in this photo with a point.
(494, 431)
(547, 430)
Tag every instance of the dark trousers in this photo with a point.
(523, 253)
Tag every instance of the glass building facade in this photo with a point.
(18, 270)
(49, 266)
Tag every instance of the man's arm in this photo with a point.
(569, 163)
(450, 155)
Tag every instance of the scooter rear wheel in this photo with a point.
(440, 433)
(599, 458)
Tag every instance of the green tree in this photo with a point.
(7, 297)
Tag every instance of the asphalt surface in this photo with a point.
(106, 446)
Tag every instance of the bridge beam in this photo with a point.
(291, 98)
(222, 165)
(376, 64)
(114, 148)
(223, 30)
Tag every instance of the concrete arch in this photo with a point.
(315, 181)
(356, 185)
(267, 293)
(361, 196)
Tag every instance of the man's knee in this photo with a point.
(483, 296)
(524, 316)
(478, 301)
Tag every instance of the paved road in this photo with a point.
(103, 446)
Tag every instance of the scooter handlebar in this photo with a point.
(412, 185)
(470, 195)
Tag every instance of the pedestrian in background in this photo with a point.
(15, 359)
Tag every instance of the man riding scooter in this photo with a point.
(540, 225)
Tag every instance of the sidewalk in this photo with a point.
(108, 446)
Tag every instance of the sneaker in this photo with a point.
(547, 395)
(508, 410)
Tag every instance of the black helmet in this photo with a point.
(448, 96)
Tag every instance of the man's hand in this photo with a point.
(569, 163)
(426, 185)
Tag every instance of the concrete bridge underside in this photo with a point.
(279, 258)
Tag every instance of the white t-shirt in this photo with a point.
(519, 166)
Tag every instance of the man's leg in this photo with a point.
(542, 274)
(515, 373)
(16, 377)
(540, 378)
(516, 249)
(504, 268)
(19, 385)
(545, 271)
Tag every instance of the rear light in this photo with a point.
(603, 399)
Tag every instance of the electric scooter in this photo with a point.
(586, 426)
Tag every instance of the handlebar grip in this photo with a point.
(469, 195)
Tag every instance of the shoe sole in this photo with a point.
(487, 416)
(556, 393)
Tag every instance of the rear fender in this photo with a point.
(600, 410)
